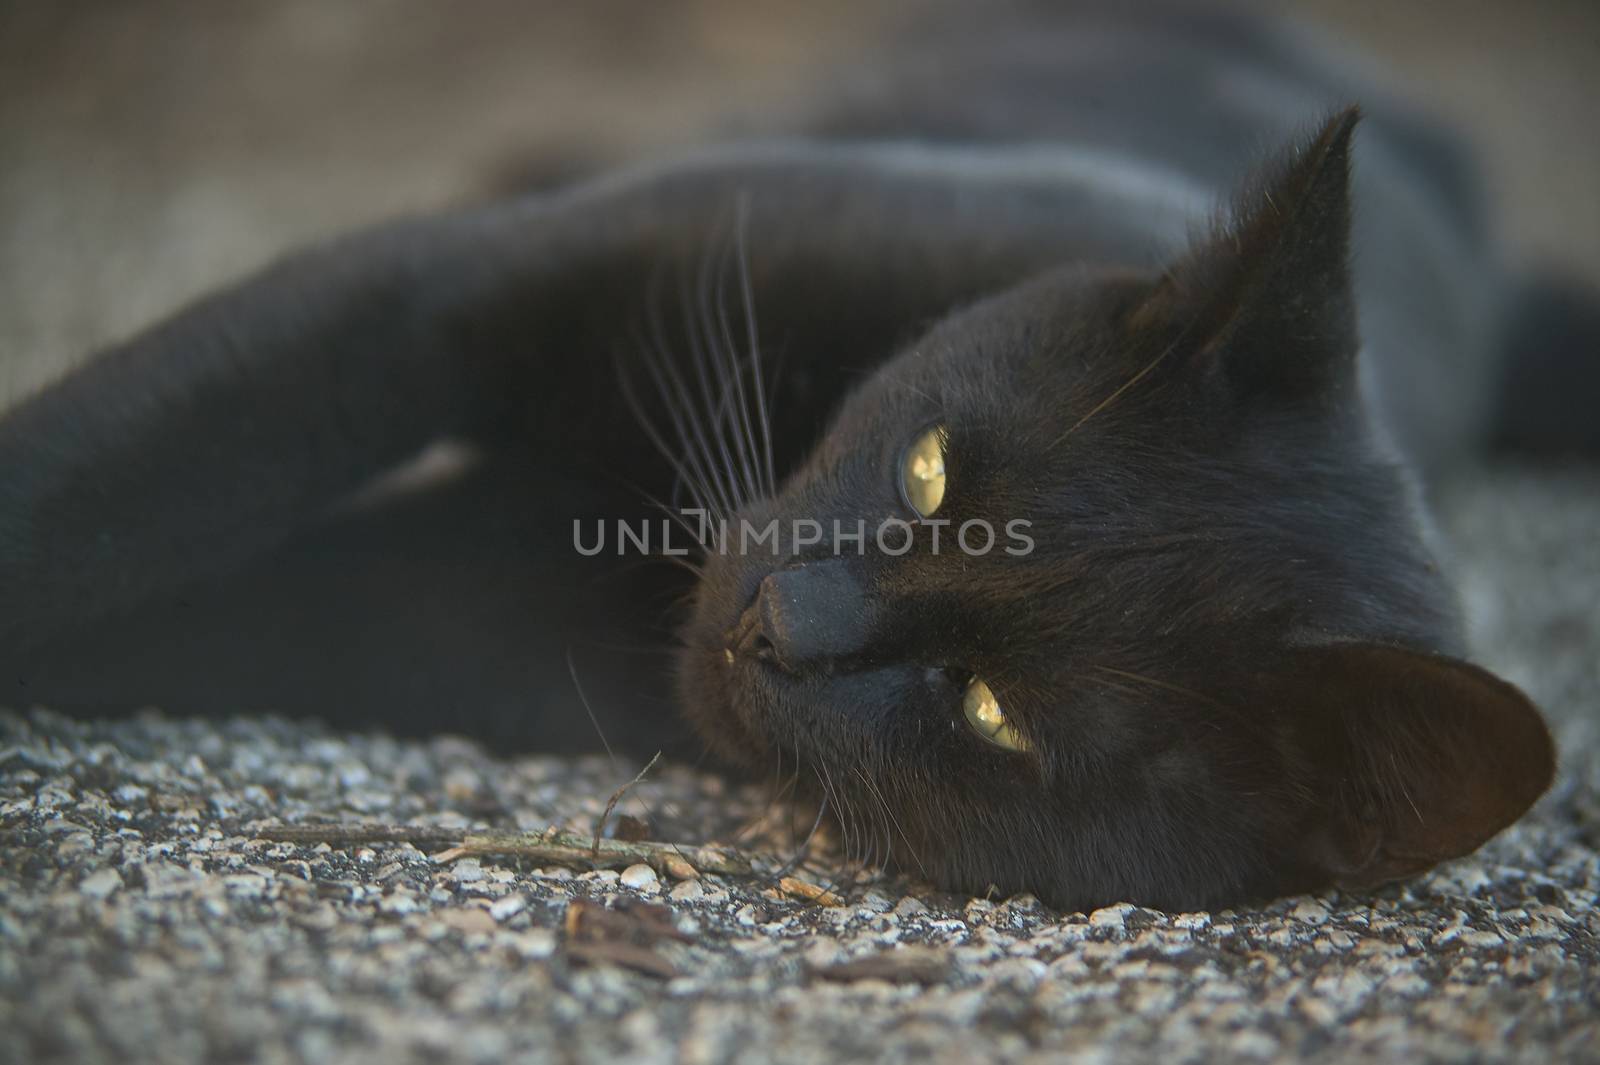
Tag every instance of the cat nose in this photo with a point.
(807, 613)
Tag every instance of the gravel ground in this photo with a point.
(144, 919)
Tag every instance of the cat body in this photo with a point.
(1226, 664)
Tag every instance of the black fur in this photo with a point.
(1233, 660)
(1550, 371)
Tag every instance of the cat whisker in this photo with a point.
(1400, 780)
(859, 836)
(776, 793)
(734, 401)
(679, 401)
(882, 853)
(572, 671)
(766, 485)
(1123, 688)
(694, 534)
(803, 849)
(827, 791)
(920, 393)
(1165, 685)
(682, 563)
(644, 807)
(874, 823)
(671, 513)
(699, 331)
(752, 337)
(681, 560)
(825, 779)
(631, 565)
(628, 648)
(841, 871)
(712, 491)
(1121, 390)
(719, 475)
(683, 460)
(674, 516)
(777, 775)
(793, 791)
(842, 814)
(889, 811)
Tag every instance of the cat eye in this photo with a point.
(983, 713)
(922, 472)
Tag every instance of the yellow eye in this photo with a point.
(922, 472)
(987, 719)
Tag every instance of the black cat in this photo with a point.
(1182, 642)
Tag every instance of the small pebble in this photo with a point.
(640, 877)
(1310, 911)
(1111, 916)
(467, 871)
(910, 906)
(687, 891)
(508, 906)
(101, 884)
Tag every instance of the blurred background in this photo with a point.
(149, 151)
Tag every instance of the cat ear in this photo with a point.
(1265, 301)
(1420, 757)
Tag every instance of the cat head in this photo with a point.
(1204, 655)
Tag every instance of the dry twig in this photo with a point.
(553, 846)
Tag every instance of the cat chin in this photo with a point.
(746, 707)
(712, 694)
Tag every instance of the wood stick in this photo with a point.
(554, 846)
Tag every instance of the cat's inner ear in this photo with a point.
(1413, 757)
(1265, 299)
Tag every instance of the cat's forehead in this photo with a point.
(1015, 360)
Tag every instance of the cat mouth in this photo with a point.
(748, 640)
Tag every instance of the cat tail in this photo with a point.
(1549, 389)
